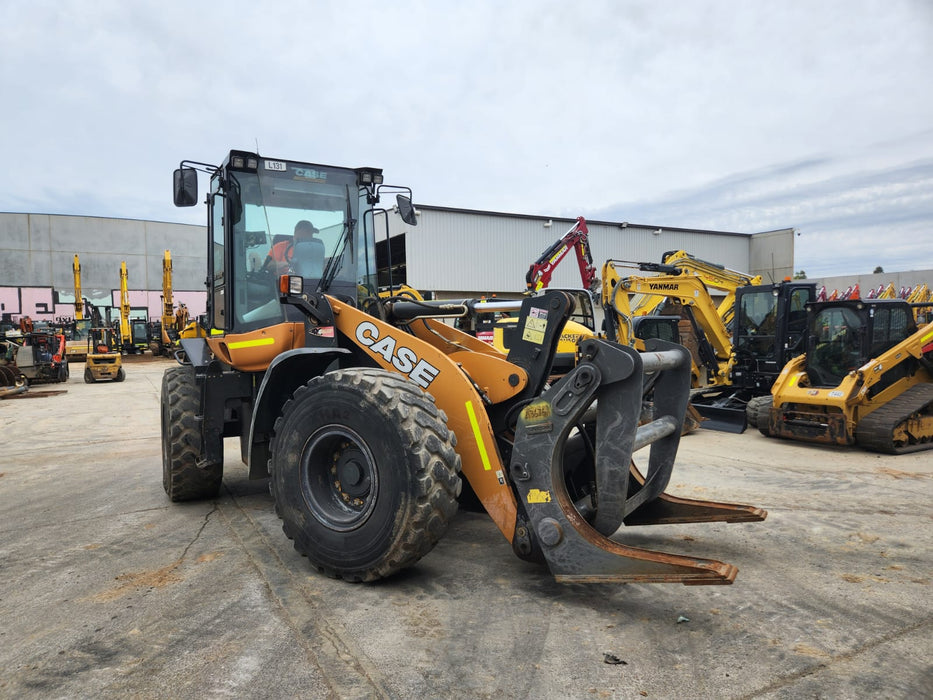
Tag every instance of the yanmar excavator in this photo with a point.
(164, 334)
(713, 276)
(134, 332)
(739, 366)
(365, 411)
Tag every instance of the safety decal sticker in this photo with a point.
(535, 325)
(537, 418)
(539, 496)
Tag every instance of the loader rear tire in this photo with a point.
(364, 473)
(182, 478)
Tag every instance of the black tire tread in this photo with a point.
(182, 478)
(752, 409)
(764, 415)
(437, 477)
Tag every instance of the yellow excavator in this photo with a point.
(76, 341)
(733, 370)
(165, 340)
(920, 298)
(366, 412)
(865, 379)
(713, 275)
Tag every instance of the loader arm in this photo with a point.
(437, 367)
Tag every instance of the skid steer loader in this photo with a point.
(363, 410)
(865, 379)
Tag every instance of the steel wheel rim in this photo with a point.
(339, 480)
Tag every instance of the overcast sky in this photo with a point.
(735, 116)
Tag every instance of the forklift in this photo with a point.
(103, 356)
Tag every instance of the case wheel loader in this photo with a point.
(367, 411)
(866, 379)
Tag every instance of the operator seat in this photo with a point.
(308, 258)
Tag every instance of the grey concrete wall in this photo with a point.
(39, 249)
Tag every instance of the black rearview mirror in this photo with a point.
(186, 187)
(406, 210)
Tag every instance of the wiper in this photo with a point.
(336, 261)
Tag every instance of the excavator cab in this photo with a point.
(368, 410)
(770, 328)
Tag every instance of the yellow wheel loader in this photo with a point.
(366, 411)
(866, 378)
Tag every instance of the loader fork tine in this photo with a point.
(667, 509)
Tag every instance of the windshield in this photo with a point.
(836, 345)
(756, 323)
(294, 218)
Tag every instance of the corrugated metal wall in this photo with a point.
(451, 250)
(490, 252)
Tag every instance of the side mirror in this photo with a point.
(406, 210)
(234, 201)
(186, 187)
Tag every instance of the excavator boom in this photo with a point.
(577, 239)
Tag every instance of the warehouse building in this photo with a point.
(451, 253)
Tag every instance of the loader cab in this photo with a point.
(255, 206)
(844, 335)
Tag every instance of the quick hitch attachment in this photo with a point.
(575, 540)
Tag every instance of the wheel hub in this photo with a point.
(339, 478)
(352, 479)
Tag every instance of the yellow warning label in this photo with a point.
(539, 496)
(534, 330)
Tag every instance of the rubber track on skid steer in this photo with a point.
(875, 431)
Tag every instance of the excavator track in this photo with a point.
(910, 416)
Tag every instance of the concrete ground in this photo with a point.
(109, 590)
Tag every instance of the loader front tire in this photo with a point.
(182, 478)
(364, 473)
